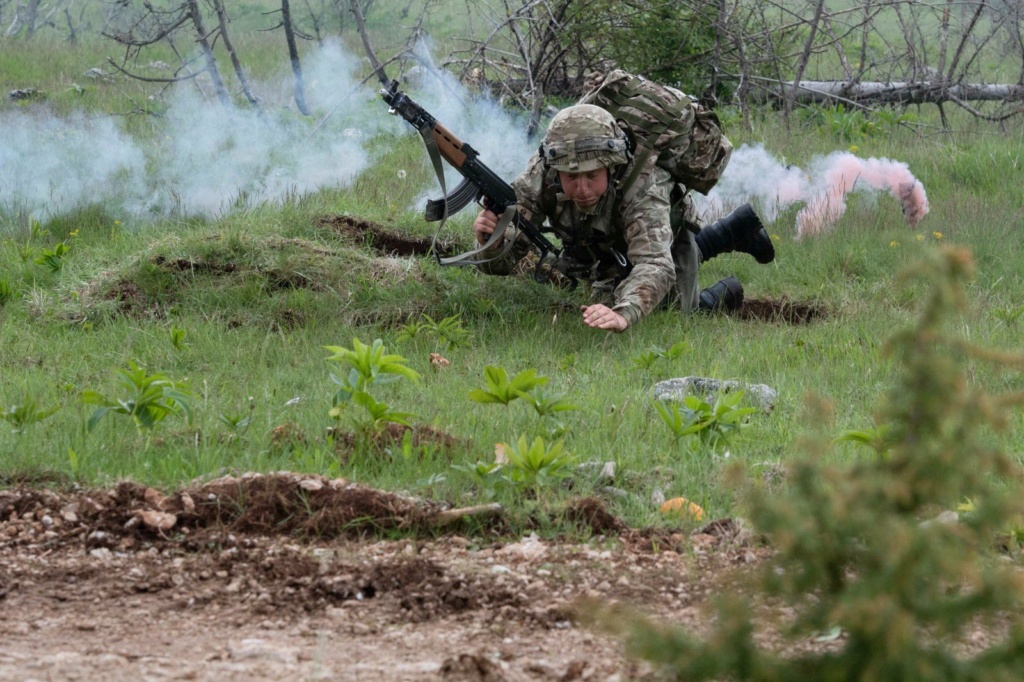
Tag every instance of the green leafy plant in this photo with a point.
(892, 118)
(500, 389)
(235, 422)
(25, 414)
(850, 126)
(412, 330)
(27, 253)
(379, 413)
(647, 359)
(74, 462)
(448, 331)
(148, 399)
(878, 439)
(238, 423)
(488, 476)
(368, 365)
(36, 229)
(6, 292)
(1009, 315)
(178, 338)
(546, 405)
(681, 420)
(713, 424)
(567, 362)
(537, 464)
(54, 258)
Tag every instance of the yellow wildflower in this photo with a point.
(893, 244)
(937, 235)
(854, 149)
(919, 237)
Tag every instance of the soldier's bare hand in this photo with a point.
(483, 226)
(600, 316)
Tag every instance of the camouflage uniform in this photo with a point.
(633, 246)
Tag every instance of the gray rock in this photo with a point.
(760, 395)
(603, 471)
(25, 93)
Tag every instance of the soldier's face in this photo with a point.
(585, 189)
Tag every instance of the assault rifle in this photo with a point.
(479, 184)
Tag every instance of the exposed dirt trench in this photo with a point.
(246, 585)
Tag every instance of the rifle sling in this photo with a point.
(466, 258)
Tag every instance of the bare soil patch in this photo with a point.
(384, 241)
(780, 310)
(278, 577)
(394, 436)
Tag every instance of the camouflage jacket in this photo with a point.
(622, 246)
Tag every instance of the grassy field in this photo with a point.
(239, 304)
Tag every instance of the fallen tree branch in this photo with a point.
(902, 92)
(449, 516)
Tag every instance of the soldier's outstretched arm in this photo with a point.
(600, 316)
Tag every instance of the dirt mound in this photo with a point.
(591, 513)
(382, 240)
(780, 310)
(281, 504)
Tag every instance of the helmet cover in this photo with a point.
(583, 138)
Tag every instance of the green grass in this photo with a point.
(260, 292)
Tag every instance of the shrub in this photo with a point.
(855, 551)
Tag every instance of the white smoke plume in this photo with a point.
(754, 174)
(203, 158)
(478, 120)
(59, 164)
(208, 159)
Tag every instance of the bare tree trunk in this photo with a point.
(72, 36)
(317, 19)
(864, 35)
(186, 68)
(31, 15)
(222, 20)
(24, 19)
(293, 55)
(339, 4)
(943, 39)
(804, 58)
(202, 37)
(378, 68)
(710, 97)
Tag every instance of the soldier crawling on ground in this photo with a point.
(626, 226)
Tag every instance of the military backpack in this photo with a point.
(686, 137)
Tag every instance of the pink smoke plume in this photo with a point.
(846, 170)
(755, 174)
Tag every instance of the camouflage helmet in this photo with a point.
(583, 138)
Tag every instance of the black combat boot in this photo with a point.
(724, 295)
(740, 231)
